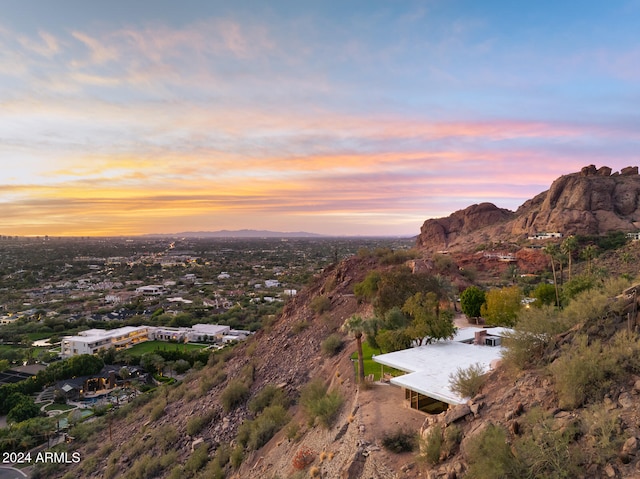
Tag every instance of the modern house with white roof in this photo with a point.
(429, 367)
(93, 341)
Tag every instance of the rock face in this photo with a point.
(592, 201)
(441, 232)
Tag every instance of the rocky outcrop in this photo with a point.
(592, 201)
(441, 232)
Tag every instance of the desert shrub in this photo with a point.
(148, 467)
(625, 349)
(270, 395)
(602, 431)
(236, 457)
(158, 411)
(166, 437)
(533, 337)
(299, 326)
(332, 345)
(248, 374)
(256, 433)
(583, 373)
(390, 257)
(320, 304)
(587, 305)
(196, 423)
(432, 445)
(490, 457)
(292, 432)
(177, 472)
(399, 441)
(467, 382)
(209, 382)
(197, 460)
(233, 395)
(303, 458)
(444, 263)
(470, 272)
(85, 430)
(319, 404)
(547, 450)
(223, 454)
(452, 437)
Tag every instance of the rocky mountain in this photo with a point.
(593, 201)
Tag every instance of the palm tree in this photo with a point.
(588, 253)
(569, 245)
(552, 251)
(356, 325)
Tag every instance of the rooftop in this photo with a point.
(429, 367)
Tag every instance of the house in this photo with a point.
(93, 341)
(428, 368)
(545, 235)
(200, 331)
(151, 290)
(634, 236)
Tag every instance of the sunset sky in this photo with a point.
(333, 117)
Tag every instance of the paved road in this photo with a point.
(11, 473)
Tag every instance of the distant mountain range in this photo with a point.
(245, 233)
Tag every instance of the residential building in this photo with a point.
(545, 235)
(151, 290)
(93, 341)
(634, 236)
(430, 367)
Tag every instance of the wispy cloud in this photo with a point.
(340, 126)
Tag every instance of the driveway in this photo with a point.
(11, 473)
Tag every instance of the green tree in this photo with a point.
(427, 321)
(23, 409)
(544, 294)
(502, 306)
(471, 300)
(391, 340)
(367, 288)
(355, 326)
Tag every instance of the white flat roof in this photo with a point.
(210, 328)
(95, 334)
(430, 366)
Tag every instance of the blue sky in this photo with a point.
(332, 117)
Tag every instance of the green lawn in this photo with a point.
(8, 347)
(151, 346)
(370, 366)
(38, 336)
(59, 407)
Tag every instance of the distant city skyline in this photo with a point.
(335, 118)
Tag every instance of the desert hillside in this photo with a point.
(287, 403)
